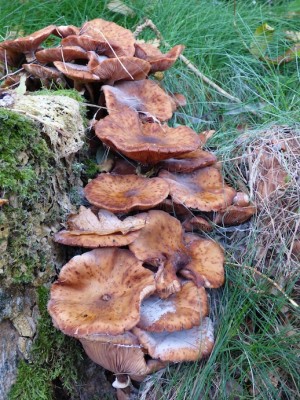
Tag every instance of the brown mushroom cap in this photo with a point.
(119, 38)
(29, 43)
(76, 72)
(181, 310)
(206, 267)
(160, 244)
(100, 292)
(123, 193)
(116, 69)
(63, 53)
(234, 215)
(202, 189)
(185, 345)
(147, 143)
(90, 44)
(189, 162)
(10, 57)
(158, 60)
(144, 95)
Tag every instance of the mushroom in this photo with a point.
(121, 354)
(205, 268)
(116, 69)
(161, 245)
(124, 193)
(234, 215)
(181, 310)
(185, 345)
(188, 162)
(66, 30)
(100, 292)
(76, 72)
(158, 60)
(147, 143)
(202, 189)
(144, 96)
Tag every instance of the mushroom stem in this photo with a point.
(121, 381)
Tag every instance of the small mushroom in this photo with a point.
(100, 292)
(144, 96)
(234, 215)
(124, 193)
(63, 31)
(206, 266)
(147, 143)
(181, 310)
(185, 345)
(202, 189)
(158, 60)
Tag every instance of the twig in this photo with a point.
(255, 271)
(149, 24)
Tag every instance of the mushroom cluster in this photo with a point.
(137, 301)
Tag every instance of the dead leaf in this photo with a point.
(263, 35)
(293, 36)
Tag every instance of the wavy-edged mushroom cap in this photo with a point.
(76, 72)
(100, 292)
(42, 72)
(160, 244)
(116, 69)
(147, 143)
(124, 193)
(234, 215)
(105, 222)
(63, 53)
(119, 38)
(29, 43)
(203, 189)
(181, 310)
(189, 162)
(186, 345)
(158, 60)
(144, 96)
(206, 268)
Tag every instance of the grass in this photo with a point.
(257, 329)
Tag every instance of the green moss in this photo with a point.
(54, 357)
(21, 149)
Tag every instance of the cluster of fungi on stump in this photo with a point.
(137, 300)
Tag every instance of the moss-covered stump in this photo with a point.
(39, 137)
